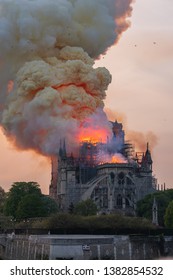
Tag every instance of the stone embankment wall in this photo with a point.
(120, 247)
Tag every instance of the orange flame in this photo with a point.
(94, 131)
(92, 135)
(116, 158)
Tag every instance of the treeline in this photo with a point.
(102, 222)
(24, 206)
(24, 201)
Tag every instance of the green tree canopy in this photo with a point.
(144, 206)
(17, 192)
(49, 206)
(168, 218)
(25, 200)
(85, 208)
(2, 199)
(30, 206)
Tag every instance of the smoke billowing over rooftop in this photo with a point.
(48, 86)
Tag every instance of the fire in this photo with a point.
(92, 135)
(95, 129)
(116, 158)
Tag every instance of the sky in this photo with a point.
(140, 94)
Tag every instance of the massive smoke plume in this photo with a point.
(49, 87)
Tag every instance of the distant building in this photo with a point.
(108, 173)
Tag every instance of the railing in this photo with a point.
(3, 239)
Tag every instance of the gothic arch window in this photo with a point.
(119, 201)
(129, 181)
(121, 178)
(112, 175)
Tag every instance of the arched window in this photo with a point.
(119, 201)
(112, 175)
(121, 178)
(129, 181)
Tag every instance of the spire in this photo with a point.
(60, 149)
(64, 149)
(155, 212)
(146, 162)
(148, 155)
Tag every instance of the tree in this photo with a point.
(144, 206)
(17, 192)
(71, 208)
(168, 218)
(2, 199)
(25, 201)
(86, 208)
(49, 206)
(30, 206)
(34, 205)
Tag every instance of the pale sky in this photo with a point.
(141, 89)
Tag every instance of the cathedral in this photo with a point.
(111, 174)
